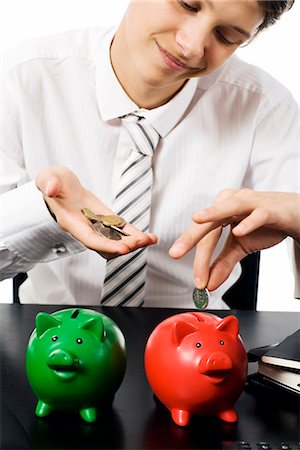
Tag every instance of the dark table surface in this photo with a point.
(135, 420)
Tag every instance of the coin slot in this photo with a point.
(75, 314)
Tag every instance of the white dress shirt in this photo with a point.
(237, 127)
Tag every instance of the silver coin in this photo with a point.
(119, 230)
(98, 227)
(111, 234)
(201, 298)
(106, 231)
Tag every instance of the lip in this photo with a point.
(172, 62)
(65, 374)
(216, 376)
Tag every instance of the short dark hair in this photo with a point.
(273, 10)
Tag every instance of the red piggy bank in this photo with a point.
(196, 363)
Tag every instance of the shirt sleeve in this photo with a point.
(38, 239)
(275, 156)
(28, 233)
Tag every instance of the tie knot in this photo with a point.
(144, 136)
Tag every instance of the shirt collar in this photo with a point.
(113, 101)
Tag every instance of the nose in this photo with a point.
(61, 358)
(215, 362)
(192, 41)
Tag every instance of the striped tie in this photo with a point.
(124, 283)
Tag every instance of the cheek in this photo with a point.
(217, 55)
(149, 19)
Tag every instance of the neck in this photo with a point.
(141, 93)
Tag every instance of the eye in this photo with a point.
(79, 341)
(222, 38)
(198, 344)
(54, 338)
(222, 342)
(187, 6)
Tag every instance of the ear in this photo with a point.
(180, 329)
(230, 325)
(95, 326)
(45, 321)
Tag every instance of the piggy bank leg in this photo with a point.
(180, 416)
(89, 414)
(43, 409)
(229, 415)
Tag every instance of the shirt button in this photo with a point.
(59, 248)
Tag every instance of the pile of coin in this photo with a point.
(109, 226)
(201, 298)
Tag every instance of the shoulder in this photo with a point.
(81, 43)
(253, 80)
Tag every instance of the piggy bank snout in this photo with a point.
(216, 362)
(62, 358)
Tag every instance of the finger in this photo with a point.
(258, 218)
(223, 213)
(201, 216)
(204, 252)
(138, 237)
(237, 205)
(189, 239)
(222, 267)
(138, 240)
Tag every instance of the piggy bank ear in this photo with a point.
(95, 326)
(230, 325)
(181, 329)
(45, 321)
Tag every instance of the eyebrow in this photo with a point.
(236, 28)
(241, 31)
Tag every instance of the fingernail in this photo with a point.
(177, 248)
(198, 283)
(47, 189)
(200, 215)
(240, 227)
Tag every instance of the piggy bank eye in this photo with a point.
(54, 338)
(222, 342)
(198, 344)
(79, 341)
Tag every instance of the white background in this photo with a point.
(275, 50)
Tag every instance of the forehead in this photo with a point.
(232, 8)
(248, 12)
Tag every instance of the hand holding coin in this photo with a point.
(65, 197)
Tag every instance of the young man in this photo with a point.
(149, 120)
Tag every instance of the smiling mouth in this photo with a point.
(175, 64)
(216, 376)
(64, 372)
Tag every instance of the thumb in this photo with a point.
(222, 267)
(49, 185)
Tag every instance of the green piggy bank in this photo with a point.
(75, 361)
